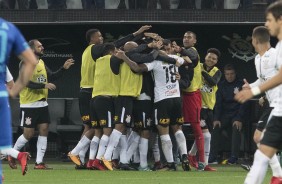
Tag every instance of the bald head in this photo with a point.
(129, 46)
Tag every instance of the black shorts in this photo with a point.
(272, 135)
(31, 117)
(85, 96)
(206, 119)
(263, 118)
(102, 110)
(143, 114)
(123, 109)
(168, 112)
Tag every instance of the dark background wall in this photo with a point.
(64, 41)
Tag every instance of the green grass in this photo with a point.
(64, 173)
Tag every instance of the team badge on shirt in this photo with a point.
(27, 120)
(128, 119)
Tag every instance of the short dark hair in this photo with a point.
(89, 33)
(107, 48)
(229, 67)
(190, 32)
(275, 9)
(214, 51)
(166, 42)
(31, 43)
(261, 33)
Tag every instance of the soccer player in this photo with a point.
(266, 67)
(34, 106)
(211, 76)
(12, 41)
(271, 140)
(191, 95)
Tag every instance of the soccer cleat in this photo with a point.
(144, 168)
(115, 163)
(12, 162)
(23, 157)
(213, 160)
(169, 167)
(247, 167)
(107, 163)
(193, 161)
(232, 160)
(74, 158)
(157, 166)
(80, 167)
(209, 168)
(42, 166)
(276, 180)
(185, 163)
(89, 164)
(126, 167)
(97, 164)
(201, 166)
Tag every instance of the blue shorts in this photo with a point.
(5, 123)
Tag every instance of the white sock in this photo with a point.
(82, 153)
(181, 142)
(114, 139)
(193, 150)
(80, 145)
(93, 147)
(102, 146)
(123, 144)
(156, 149)
(20, 142)
(11, 152)
(133, 147)
(143, 150)
(258, 170)
(116, 152)
(207, 146)
(275, 166)
(136, 156)
(41, 148)
(167, 147)
(131, 138)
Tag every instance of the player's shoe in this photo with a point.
(201, 166)
(80, 167)
(74, 158)
(107, 163)
(193, 161)
(169, 167)
(232, 160)
(97, 164)
(185, 163)
(126, 167)
(246, 167)
(276, 180)
(209, 168)
(115, 163)
(157, 166)
(12, 162)
(42, 166)
(89, 164)
(23, 157)
(144, 168)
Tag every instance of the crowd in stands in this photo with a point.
(132, 4)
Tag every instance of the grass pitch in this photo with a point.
(64, 173)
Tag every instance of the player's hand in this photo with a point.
(120, 54)
(244, 95)
(238, 125)
(246, 85)
(142, 29)
(152, 35)
(68, 63)
(50, 86)
(216, 123)
(177, 76)
(261, 101)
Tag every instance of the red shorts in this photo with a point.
(191, 107)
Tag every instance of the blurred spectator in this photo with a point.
(91, 4)
(22, 4)
(57, 4)
(165, 4)
(209, 4)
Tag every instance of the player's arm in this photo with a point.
(9, 79)
(59, 73)
(212, 80)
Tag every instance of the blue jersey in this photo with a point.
(11, 40)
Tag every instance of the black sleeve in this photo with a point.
(120, 42)
(143, 58)
(192, 54)
(139, 49)
(52, 76)
(212, 80)
(167, 59)
(185, 81)
(34, 85)
(115, 64)
(97, 51)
